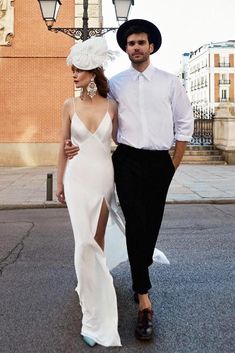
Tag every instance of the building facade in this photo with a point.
(34, 79)
(209, 75)
(183, 71)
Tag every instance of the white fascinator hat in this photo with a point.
(90, 54)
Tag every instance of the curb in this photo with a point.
(203, 201)
(32, 205)
(52, 204)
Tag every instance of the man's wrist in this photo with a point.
(176, 162)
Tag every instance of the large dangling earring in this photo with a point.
(92, 88)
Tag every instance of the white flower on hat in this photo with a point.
(90, 54)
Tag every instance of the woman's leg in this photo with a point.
(101, 226)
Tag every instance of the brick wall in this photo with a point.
(32, 93)
(216, 80)
(231, 88)
(231, 60)
(216, 60)
(34, 78)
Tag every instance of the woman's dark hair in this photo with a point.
(137, 29)
(101, 81)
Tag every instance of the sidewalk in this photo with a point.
(25, 187)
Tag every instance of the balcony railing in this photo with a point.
(224, 82)
(224, 99)
(198, 86)
(224, 64)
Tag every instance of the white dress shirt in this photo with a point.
(153, 109)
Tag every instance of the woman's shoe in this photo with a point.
(89, 341)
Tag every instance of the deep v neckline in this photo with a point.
(100, 123)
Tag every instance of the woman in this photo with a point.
(85, 183)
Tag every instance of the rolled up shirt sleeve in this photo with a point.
(182, 112)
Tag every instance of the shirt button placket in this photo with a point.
(141, 103)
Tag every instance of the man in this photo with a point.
(153, 111)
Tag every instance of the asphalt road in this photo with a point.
(193, 297)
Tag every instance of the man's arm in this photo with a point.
(178, 154)
(183, 119)
(70, 150)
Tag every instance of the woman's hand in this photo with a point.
(60, 193)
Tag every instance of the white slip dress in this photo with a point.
(88, 181)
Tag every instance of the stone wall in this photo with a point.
(224, 131)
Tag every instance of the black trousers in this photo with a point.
(142, 180)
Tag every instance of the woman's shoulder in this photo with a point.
(69, 102)
(69, 107)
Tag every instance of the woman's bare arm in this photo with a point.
(62, 159)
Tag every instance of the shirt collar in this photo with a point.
(147, 73)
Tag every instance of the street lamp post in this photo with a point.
(122, 8)
(50, 9)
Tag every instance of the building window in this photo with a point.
(224, 79)
(224, 95)
(224, 61)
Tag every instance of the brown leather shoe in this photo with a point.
(144, 327)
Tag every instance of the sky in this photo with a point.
(185, 26)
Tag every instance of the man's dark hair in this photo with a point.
(137, 29)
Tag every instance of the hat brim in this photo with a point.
(149, 28)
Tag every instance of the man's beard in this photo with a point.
(143, 58)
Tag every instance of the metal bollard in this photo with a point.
(49, 187)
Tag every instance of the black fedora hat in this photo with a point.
(148, 27)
